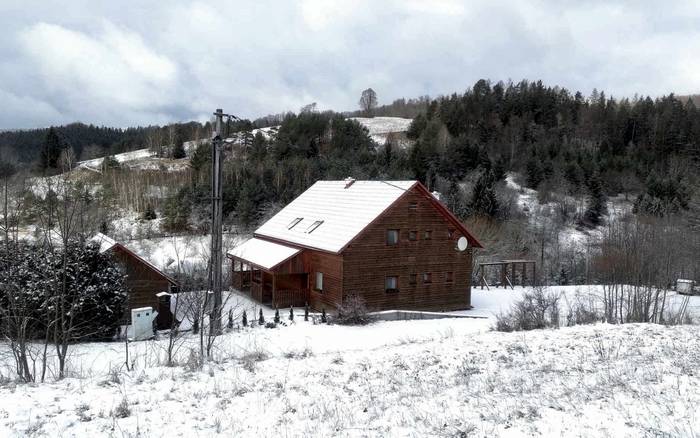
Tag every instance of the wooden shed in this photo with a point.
(391, 242)
(147, 285)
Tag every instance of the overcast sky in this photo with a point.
(125, 63)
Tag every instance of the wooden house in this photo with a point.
(147, 285)
(393, 243)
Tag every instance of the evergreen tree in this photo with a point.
(534, 173)
(324, 318)
(306, 312)
(597, 202)
(179, 146)
(261, 318)
(229, 325)
(277, 316)
(51, 150)
(149, 213)
(244, 319)
(291, 313)
(484, 201)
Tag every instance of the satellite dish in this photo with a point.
(462, 243)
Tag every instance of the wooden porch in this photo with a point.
(268, 286)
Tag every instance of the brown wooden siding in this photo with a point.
(368, 260)
(331, 265)
(142, 282)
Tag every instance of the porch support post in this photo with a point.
(274, 289)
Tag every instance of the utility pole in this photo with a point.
(216, 219)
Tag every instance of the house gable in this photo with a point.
(426, 246)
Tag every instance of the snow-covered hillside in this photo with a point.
(380, 127)
(544, 213)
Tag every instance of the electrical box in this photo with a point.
(684, 286)
(142, 323)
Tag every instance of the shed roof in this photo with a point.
(108, 244)
(263, 253)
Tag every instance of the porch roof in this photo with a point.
(263, 253)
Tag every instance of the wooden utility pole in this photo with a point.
(216, 220)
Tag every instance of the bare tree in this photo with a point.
(368, 101)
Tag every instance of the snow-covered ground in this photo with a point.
(124, 157)
(446, 377)
(380, 127)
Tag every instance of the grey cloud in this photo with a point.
(134, 62)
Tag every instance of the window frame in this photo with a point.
(390, 290)
(449, 277)
(413, 235)
(311, 228)
(413, 279)
(392, 230)
(294, 222)
(427, 278)
(428, 235)
(316, 278)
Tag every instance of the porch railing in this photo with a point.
(290, 297)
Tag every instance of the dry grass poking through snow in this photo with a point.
(601, 380)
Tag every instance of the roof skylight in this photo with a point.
(313, 226)
(293, 223)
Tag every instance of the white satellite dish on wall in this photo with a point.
(462, 244)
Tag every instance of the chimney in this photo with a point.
(349, 181)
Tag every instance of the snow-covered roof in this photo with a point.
(106, 243)
(328, 215)
(263, 253)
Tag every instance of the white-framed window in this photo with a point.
(318, 281)
(392, 237)
(391, 284)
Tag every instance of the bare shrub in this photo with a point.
(537, 309)
(583, 312)
(353, 311)
(122, 410)
(194, 361)
(253, 357)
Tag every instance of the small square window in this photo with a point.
(427, 235)
(391, 284)
(392, 237)
(427, 278)
(449, 277)
(413, 235)
(319, 282)
(413, 279)
(413, 206)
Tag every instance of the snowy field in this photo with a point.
(447, 377)
(380, 127)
